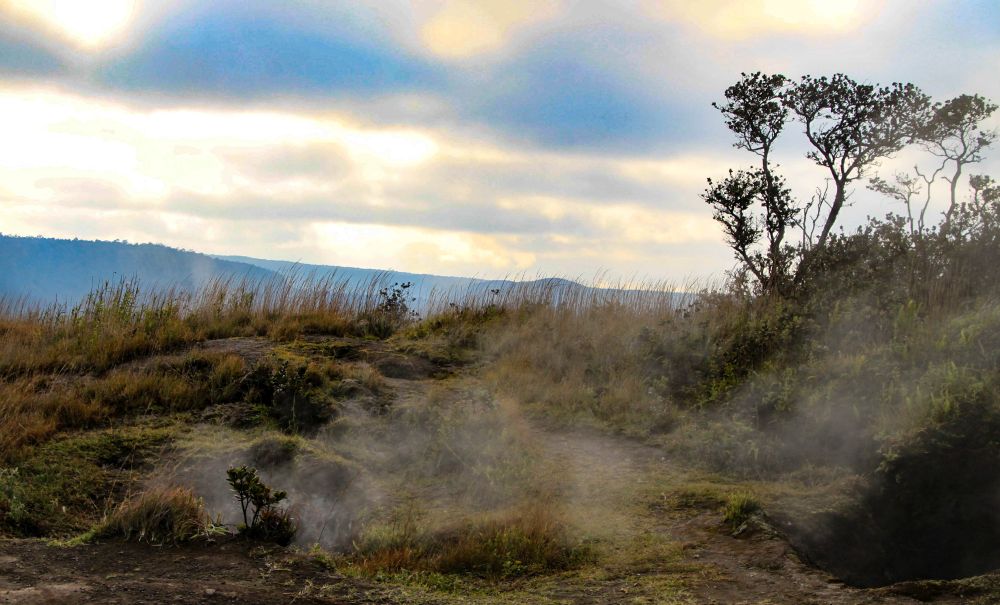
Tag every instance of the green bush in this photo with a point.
(739, 508)
(294, 396)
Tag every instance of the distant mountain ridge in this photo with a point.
(45, 270)
(423, 287)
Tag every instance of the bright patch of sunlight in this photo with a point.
(742, 18)
(443, 252)
(52, 136)
(88, 23)
(462, 28)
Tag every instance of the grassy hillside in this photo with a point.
(538, 446)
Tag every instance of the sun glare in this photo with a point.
(741, 18)
(463, 28)
(88, 23)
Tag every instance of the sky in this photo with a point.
(457, 137)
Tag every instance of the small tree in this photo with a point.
(911, 192)
(755, 112)
(735, 201)
(955, 136)
(261, 518)
(979, 218)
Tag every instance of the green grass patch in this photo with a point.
(66, 485)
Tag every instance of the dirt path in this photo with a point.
(32, 571)
(615, 484)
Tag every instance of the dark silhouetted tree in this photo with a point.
(755, 112)
(735, 201)
(851, 127)
(954, 135)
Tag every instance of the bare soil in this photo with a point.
(32, 571)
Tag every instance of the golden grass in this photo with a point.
(118, 323)
(525, 541)
(34, 409)
(582, 367)
(159, 516)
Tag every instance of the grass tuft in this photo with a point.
(159, 516)
(739, 508)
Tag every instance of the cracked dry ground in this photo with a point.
(619, 493)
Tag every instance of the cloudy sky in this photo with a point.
(460, 137)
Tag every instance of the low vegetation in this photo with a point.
(739, 508)
(263, 519)
(523, 542)
(158, 516)
(842, 390)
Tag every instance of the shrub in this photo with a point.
(391, 312)
(275, 525)
(525, 543)
(273, 451)
(262, 519)
(159, 516)
(290, 395)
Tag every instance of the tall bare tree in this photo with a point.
(954, 134)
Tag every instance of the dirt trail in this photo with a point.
(32, 571)
(615, 483)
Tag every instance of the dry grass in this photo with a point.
(517, 293)
(526, 541)
(34, 409)
(581, 367)
(158, 516)
(119, 322)
(62, 367)
(31, 413)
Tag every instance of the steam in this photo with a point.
(454, 449)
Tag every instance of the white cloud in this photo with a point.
(735, 19)
(420, 200)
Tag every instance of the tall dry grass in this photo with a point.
(589, 358)
(119, 321)
(61, 367)
(567, 296)
(157, 516)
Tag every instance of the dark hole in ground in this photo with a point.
(930, 512)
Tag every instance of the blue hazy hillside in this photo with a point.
(422, 286)
(47, 270)
(44, 270)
